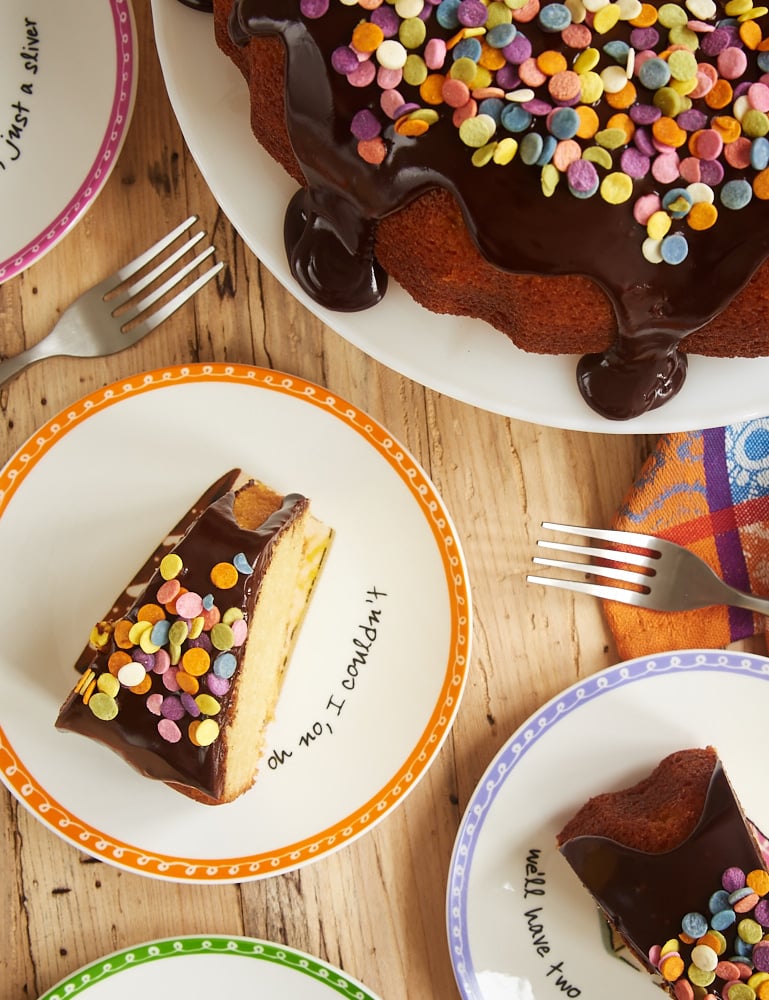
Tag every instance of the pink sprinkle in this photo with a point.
(239, 631)
(455, 93)
(527, 13)
(162, 662)
(732, 63)
(154, 701)
(737, 153)
(704, 85)
(388, 79)
(169, 731)
(189, 605)
(363, 75)
(530, 73)
(468, 110)
(707, 144)
(758, 95)
(690, 170)
(435, 53)
(168, 591)
(390, 102)
(169, 679)
(645, 207)
(665, 168)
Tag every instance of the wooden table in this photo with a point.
(377, 907)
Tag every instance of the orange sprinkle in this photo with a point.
(624, 122)
(187, 682)
(84, 680)
(727, 127)
(646, 18)
(367, 37)
(566, 152)
(527, 13)
(624, 98)
(143, 686)
(196, 661)
(411, 126)
(750, 34)
(122, 628)
(551, 62)
(373, 151)
(763, 46)
(564, 85)
(150, 613)
(588, 121)
(431, 90)
(455, 39)
(89, 690)
(117, 660)
(720, 95)
(491, 58)
(669, 132)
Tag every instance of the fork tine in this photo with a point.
(593, 589)
(130, 269)
(637, 540)
(155, 319)
(157, 293)
(615, 555)
(608, 572)
(130, 291)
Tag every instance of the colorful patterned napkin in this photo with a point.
(709, 491)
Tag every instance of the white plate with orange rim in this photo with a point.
(519, 923)
(68, 74)
(196, 967)
(462, 358)
(85, 501)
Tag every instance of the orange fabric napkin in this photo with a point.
(709, 491)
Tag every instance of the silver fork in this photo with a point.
(671, 577)
(108, 318)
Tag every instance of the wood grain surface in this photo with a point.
(377, 907)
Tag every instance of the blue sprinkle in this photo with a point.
(516, 118)
(742, 948)
(694, 924)
(763, 61)
(563, 123)
(673, 195)
(224, 665)
(618, 51)
(719, 901)
(530, 148)
(159, 633)
(674, 249)
(468, 48)
(208, 602)
(549, 145)
(446, 13)
(736, 194)
(241, 563)
(554, 17)
(492, 106)
(759, 153)
(723, 919)
(654, 73)
(501, 35)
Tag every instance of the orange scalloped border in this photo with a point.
(35, 798)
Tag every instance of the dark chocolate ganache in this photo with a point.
(680, 135)
(646, 896)
(166, 725)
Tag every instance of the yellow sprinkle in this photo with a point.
(599, 156)
(170, 566)
(616, 188)
(549, 179)
(203, 732)
(592, 87)
(483, 155)
(505, 150)
(606, 18)
(207, 704)
(587, 60)
(658, 225)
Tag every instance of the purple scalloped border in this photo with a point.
(515, 750)
(120, 119)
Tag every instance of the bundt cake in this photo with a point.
(674, 865)
(589, 177)
(182, 676)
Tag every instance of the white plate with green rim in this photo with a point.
(197, 968)
(462, 358)
(68, 74)
(88, 498)
(520, 925)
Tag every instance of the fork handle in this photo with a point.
(739, 599)
(12, 366)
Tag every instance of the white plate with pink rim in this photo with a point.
(462, 358)
(68, 74)
(380, 665)
(519, 923)
(198, 966)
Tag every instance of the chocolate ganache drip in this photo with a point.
(645, 895)
(331, 224)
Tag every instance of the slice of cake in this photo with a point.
(673, 864)
(183, 676)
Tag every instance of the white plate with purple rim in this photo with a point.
(519, 923)
(196, 967)
(462, 358)
(68, 74)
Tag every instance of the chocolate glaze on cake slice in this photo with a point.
(184, 677)
(667, 854)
